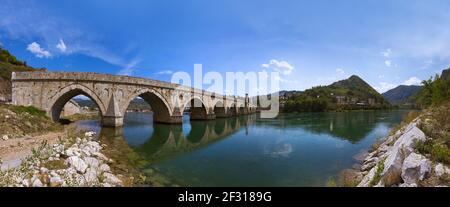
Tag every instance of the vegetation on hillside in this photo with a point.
(401, 95)
(9, 64)
(435, 91)
(348, 94)
(16, 121)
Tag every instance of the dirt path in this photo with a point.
(12, 151)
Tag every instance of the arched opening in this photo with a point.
(147, 107)
(233, 111)
(75, 105)
(195, 109)
(219, 110)
(241, 110)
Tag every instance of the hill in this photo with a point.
(401, 94)
(435, 91)
(9, 64)
(348, 94)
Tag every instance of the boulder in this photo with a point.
(91, 177)
(441, 170)
(415, 167)
(91, 162)
(77, 163)
(5, 137)
(104, 168)
(408, 185)
(112, 179)
(72, 151)
(367, 178)
(391, 174)
(56, 181)
(37, 183)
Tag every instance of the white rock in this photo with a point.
(368, 166)
(408, 185)
(43, 170)
(366, 180)
(25, 183)
(94, 145)
(91, 162)
(441, 170)
(56, 181)
(100, 156)
(111, 179)
(402, 148)
(5, 137)
(104, 168)
(91, 177)
(415, 167)
(72, 151)
(77, 163)
(37, 183)
(89, 134)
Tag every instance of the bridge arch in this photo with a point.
(198, 109)
(220, 110)
(64, 95)
(161, 109)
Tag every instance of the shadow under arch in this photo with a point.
(160, 108)
(197, 109)
(220, 110)
(66, 94)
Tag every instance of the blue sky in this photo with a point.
(386, 42)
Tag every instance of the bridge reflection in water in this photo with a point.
(166, 141)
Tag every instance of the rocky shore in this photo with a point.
(397, 162)
(73, 162)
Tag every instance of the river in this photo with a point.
(305, 149)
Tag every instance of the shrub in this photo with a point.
(377, 177)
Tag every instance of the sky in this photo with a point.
(385, 42)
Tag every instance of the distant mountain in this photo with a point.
(136, 104)
(351, 93)
(401, 94)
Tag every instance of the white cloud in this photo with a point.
(383, 87)
(129, 69)
(340, 71)
(387, 53)
(280, 66)
(61, 46)
(18, 21)
(36, 49)
(164, 72)
(388, 63)
(412, 81)
(380, 76)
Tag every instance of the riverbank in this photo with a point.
(74, 161)
(415, 154)
(36, 152)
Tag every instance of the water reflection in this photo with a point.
(160, 142)
(302, 149)
(352, 126)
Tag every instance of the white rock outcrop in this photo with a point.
(415, 168)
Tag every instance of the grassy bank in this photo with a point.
(17, 121)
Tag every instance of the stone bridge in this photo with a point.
(112, 94)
